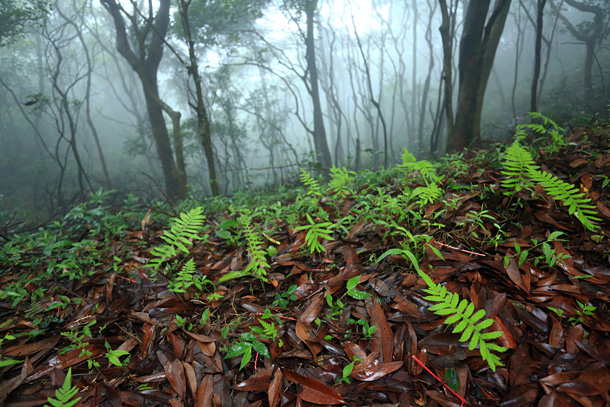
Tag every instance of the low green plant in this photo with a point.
(258, 261)
(341, 181)
(113, 356)
(583, 309)
(186, 278)
(251, 341)
(316, 232)
(186, 226)
(337, 307)
(549, 256)
(469, 323)
(348, 369)
(64, 396)
(77, 337)
(523, 172)
(547, 128)
(7, 361)
(283, 299)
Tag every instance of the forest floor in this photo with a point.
(335, 320)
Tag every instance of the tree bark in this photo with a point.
(537, 57)
(150, 40)
(477, 52)
(319, 132)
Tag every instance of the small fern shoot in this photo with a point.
(64, 395)
(183, 228)
(258, 261)
(522, 170)
(340, 180)
(315, 232)
(469, 323)
(186, 278)
(313, 185)
(425, 168)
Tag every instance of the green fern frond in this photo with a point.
(258, 263)
(64, 395)
(410, 165)
(522, 170)
(340, 180)
(313, 185)
(316, 232)
(184, 279)
(427, 194)
(570, 195)
(517, 162)
(183, 228)
(468, 322)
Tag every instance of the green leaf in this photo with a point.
(233, 275)
(238, 348)
(246, 358)
(261, 348)
(485, 324)
(353, 282)
(358, 295)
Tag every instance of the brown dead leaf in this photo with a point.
(275, 387)
(314, 391)
(175, 374)
(586, 383)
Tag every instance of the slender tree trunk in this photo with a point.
(145, 62)
(319, 132)
(537, 57)
(477, 52)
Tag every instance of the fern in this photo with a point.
(425, 168)
(427, 194)
(520, 167)
(553, 130)
(469, 323)
(517, 161)
(183, 228)
(315, 232)
(185, 278)
(340, 180)
(64, 395)
(258, 263)
(570, 195)
(313, 185)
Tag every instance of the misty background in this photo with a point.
(210, 97)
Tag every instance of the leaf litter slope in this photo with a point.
(316, 345)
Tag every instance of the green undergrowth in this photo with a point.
(411, 207)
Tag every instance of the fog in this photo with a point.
(76, 116)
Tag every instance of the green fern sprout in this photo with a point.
(469, 323)
(521, 169)
(557, 139)
(340, 180)
(258, 263)
(186, 278)
(425, 168)
(517, 161)
(183, 228)
(315, 232)
(458, 311)
(427, 194)
(313, 185)
(64, 395)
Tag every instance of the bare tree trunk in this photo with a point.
(537, 51)
(145, 62)
(203, 120)
(319, 132)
